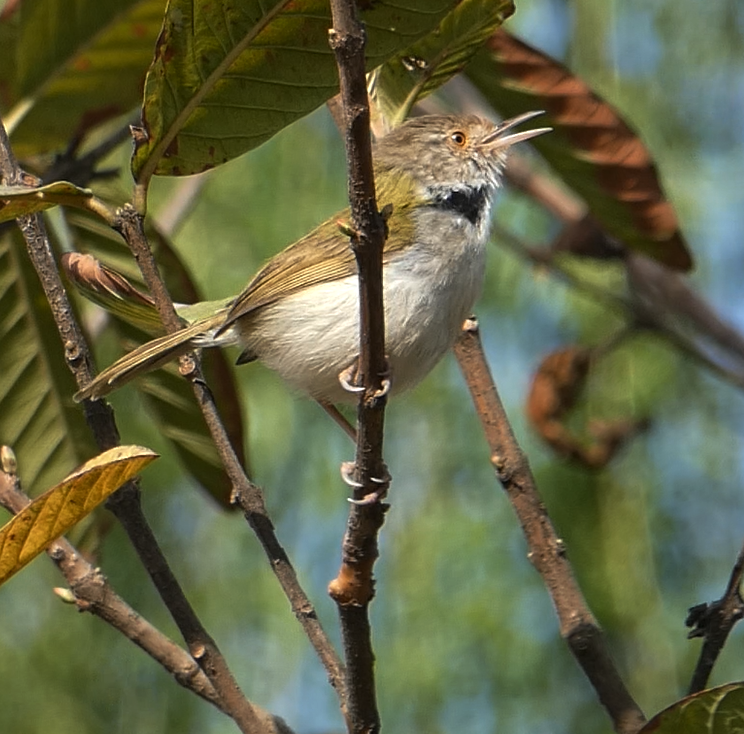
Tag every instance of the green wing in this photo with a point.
(323, 255)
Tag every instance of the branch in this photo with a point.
(546, 550)
(92, 593)
(245, 493)
(353, 588)
(714, 622)
(636, 310)
(125, 503)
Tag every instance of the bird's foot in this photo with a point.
(349, 379)
(371, 498)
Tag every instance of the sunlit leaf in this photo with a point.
(53, 513)
(17, 201)
(76, 65)
(716, 711)
(430, 62)
(225, 78)
(37, 416)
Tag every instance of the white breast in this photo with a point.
(309, 337)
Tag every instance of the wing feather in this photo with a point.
(323, 255)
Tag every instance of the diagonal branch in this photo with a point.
(92, 593)
(246, 494)
(125, 503)
(546, 550)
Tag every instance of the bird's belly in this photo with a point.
(310, 337)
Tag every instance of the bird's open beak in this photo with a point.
(499, 138)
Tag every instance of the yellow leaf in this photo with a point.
(57, 510)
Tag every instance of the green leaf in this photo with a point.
(53, 513)
(76, 64)
(225, 78)
(17, 201)
(435, 59)
(38, 419)
(715, 711)
(9, 32)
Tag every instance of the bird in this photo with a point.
(436, 179)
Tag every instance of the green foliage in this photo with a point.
(37, 416)
(720, 709)
(17, 202)
(60, 83)
(423, 67)
(465, 636)
(226, 78)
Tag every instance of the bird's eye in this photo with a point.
(459, 138)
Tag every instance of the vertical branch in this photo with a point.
(353, 589)
(546, 550)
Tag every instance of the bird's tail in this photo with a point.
(154, 354)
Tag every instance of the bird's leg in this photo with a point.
(339, 418)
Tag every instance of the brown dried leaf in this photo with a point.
(593, 149)
(557, 384)
(555, 389)
(56, 511)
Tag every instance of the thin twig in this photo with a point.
(353, 588)
(637, 314)
(248, 495)
(92, 593)
(714, 622)
(546, 550)
(125, 503)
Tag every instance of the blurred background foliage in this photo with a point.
(465, 636)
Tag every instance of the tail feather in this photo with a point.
(151, 355)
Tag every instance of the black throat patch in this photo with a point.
(468, 203)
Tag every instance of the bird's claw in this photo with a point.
(348, 377)
(347, 469)
(385, 384)
(369, 499)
